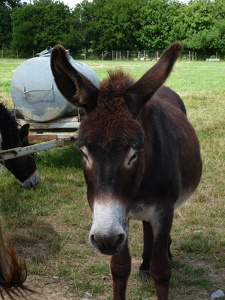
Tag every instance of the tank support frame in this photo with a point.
(45, 136)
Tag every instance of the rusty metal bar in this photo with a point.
(61, 141)
(65, 123)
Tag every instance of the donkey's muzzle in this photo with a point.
(108, 245)
(31, 182)
(110, 226)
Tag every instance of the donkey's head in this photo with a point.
(23, 168)
(111, 140)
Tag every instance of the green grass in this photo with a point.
(50, 225)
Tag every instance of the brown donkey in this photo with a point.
(141, 160)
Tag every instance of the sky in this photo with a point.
(72, 3)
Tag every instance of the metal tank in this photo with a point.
(34, 92)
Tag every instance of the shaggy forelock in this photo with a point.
(115, 85)
(111, 124)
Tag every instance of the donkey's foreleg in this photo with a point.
(120, 268)
(160, 266)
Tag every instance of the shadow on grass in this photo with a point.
(21, 213)
(37, 241)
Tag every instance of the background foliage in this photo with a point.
(113, 25)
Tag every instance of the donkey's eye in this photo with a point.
(84, 155)
(133, 158)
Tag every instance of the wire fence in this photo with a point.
(151, 55)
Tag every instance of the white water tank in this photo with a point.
(34, 92)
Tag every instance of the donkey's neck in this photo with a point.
(8, 129)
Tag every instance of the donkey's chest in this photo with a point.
(142, 212)
(148, 211)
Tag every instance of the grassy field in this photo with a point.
(50, 225)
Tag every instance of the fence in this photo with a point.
(147, 55)
(119, 55)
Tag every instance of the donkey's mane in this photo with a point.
(8, 129)
(115, 85)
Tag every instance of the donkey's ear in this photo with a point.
(73, 85)
(140, 92)
(23, 133)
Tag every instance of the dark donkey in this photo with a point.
(23, 168)
(141, 160)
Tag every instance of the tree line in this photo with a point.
(106, 25)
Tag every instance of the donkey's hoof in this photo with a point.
(143, 274)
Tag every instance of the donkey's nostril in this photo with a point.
(92, 239)
(120, 241)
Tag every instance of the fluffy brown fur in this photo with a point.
(111, 118)
(108, 116)
(115, 85)
(13, 273)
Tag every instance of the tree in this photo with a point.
(155, 24)
(45, 23)
(202, 23)
(212, 39)
(193, 20)
(13, 3)
(82, 16)
(5, 26)
(6, 21)
(114, 24)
